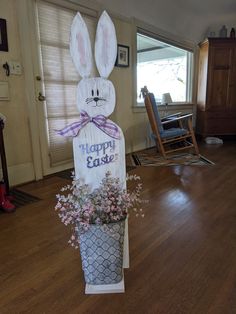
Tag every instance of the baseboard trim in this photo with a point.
(21, 173)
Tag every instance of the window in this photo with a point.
(163, 68)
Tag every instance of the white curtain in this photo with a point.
(60, 78)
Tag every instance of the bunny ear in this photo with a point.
(105, 45)
(80, 46)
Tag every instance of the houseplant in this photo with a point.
(97, 220)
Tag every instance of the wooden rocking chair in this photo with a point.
(175, 138)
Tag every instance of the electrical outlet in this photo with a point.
(15, 68)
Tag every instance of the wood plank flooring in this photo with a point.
(182, 254)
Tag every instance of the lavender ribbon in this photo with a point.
(100, 121)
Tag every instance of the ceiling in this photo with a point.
(188, 19)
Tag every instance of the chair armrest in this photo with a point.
(177, 119)
(171, 115)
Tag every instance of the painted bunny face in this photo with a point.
(96, 96)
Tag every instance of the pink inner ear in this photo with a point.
(105, 44)
(81, 48)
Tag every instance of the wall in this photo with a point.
(16, 131)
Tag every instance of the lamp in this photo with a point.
(166, 99)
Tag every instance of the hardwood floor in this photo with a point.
(183, 253)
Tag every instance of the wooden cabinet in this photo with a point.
(216, 100)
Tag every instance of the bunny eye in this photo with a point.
(97, 92)
(92, 92)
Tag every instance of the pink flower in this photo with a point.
(108, 203)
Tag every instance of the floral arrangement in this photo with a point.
(108, 203)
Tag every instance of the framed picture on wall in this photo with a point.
(3, 35)
(122, 59)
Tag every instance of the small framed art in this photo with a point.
(3, 35)
(122, 59)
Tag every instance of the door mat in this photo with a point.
(153, 158)
(20, 198)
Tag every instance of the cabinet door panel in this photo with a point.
(232, 84)
(221, 57)
(219, 89)
(220, 67)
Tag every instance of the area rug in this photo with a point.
(151, 157)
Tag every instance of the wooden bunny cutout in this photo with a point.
(99, 144)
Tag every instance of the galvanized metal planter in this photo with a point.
(101, 249)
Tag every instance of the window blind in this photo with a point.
(59, 78)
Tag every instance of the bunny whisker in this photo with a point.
(88, 100)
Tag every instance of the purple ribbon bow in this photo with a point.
(100, 121)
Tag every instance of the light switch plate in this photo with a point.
(4, 91)
(15, 68)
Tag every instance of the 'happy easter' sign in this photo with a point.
(99, 154)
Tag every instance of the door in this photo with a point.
(220, 68)
(56, 82)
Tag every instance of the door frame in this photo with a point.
(28, 33)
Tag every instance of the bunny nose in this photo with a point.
(96, 99)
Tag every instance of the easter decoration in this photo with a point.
(99, 160)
